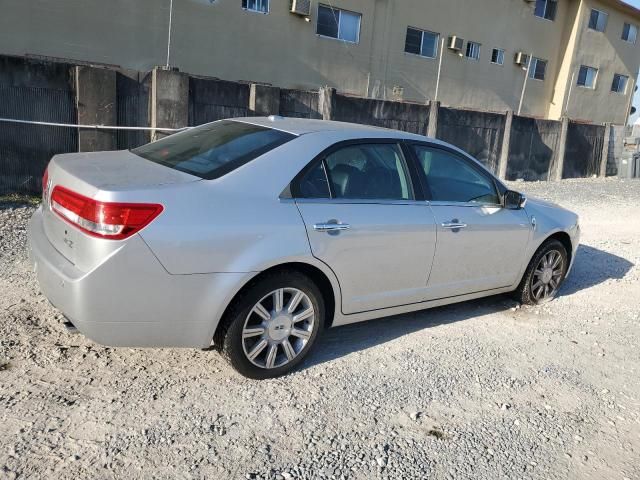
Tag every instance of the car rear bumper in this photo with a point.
(129, 299)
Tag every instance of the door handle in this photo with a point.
(454, 225)
(331, 227)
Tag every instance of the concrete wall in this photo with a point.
(220, 39)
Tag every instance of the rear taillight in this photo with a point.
(114, 221)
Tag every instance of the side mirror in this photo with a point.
(514, 200)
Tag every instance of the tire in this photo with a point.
(239, 337)
(529, 291)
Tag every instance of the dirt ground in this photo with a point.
(483, 389)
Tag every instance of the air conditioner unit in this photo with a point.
(455, 43)
(301, 7)
(521, 59)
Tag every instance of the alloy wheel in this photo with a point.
(547, 276)
(278, 328)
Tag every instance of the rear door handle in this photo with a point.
(454, 225)
(331, 227)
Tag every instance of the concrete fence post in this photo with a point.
(264, 100)
(327, 102)
(558, 167)
(506, 145)
(605, 150)
(169, 101)
(95, 95)
(432, 127)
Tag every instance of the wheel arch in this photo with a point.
(565, 239)
(326, 282)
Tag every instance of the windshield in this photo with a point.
(215, 149)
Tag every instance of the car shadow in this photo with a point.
(591, 267)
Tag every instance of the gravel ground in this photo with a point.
(483, 389)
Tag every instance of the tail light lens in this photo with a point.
(115, 221)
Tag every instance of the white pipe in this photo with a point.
(94, 127)
(169, 35)
(524, 85)
(439, 69)
(566, 106)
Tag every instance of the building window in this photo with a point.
(587, 77)
(261, 6)
(619, 83)
(339, 24)
(473, 50)
(546, 9)
(598, 20)
(538, 69)
(629, 33)
(497, 56)
(421, 42)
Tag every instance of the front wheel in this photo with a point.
(544, 275)
(272, 326)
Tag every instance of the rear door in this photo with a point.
(480, 244)
(364, 219)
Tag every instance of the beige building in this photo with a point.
(585, 57)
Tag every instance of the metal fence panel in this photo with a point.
(25, 150)
(211, 100)
(477, 133)
(583, 150)
(533, 148)
(132, 94)
(409, 117)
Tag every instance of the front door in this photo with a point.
(358, 207)
(480, 244)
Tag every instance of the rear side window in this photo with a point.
(215, 149)
(360, 171)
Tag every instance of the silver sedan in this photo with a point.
(255, 234)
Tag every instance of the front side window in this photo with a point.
(538, 69)
(630, 33)
(339, 24)
(598, 20)
(497, 56)
(362, 171)
(473, 51)
(261, 6)
(619, 84)
(214, 149)
(449, 178)
(421, 42)
(587, 76)
(546, 9)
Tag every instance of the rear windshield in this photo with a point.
(215, 149)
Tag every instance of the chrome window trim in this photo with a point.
(358, 201)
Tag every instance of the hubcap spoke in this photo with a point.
(303, 315)
(304, 334)
(278, 299)
(294, 302)
(261, 311)
(271, 356)
(288, 349)
(252, 332)
(255, 351)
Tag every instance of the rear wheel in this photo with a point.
(271, 327)
(544, 275)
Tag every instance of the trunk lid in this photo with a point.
(110, 176)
